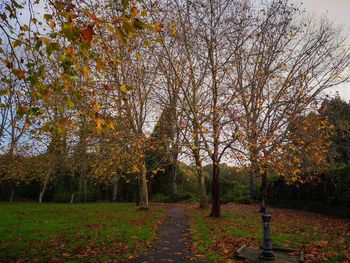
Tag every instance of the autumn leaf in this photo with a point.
(96, 106)
(138, 56)
(124, 88)
(111, 125)
(86, 71)
(24, 28)
(16, 43)
(19, 73)
(98, 123)
(134, 10)
(70, 104)
(87, 35)
(158, 26)
(121, 35)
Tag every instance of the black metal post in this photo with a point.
(267, 252)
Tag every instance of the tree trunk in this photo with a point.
(263, 192)
(72, 198)
(115, 188)
(252, 183)
(42, 192)
(252, 187)
(144, 191)
(12, 194)
(83, 187)
(203, 200)
(215, 209)
(143, 186)
(173, 185)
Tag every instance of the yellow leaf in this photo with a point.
(70, 104)
(86, 71)
(100, 64)
(144, 13)
(52, 24)
(111, 125)
(16, 43)
(96, 106)
(138, 56)
(99, 122)
(123, 88)
(24, 28)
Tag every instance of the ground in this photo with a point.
(323, 238)
(107, 232)
(80, 232)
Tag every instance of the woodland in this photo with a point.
(215, 109)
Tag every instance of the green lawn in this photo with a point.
(77, 232)
(322, 238)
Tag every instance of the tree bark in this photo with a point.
(173, 185)
(215, 210)
(203, 199)
(42, 192)
(115, 188)
(252, 187)
(263, 192)
(144, 191)
(72, 198)
(143, 185)
(254, 171)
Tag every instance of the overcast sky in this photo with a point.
(339, 10)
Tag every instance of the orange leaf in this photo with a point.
(134, 10)
(96, 106)
(158, 26)
(87, 34)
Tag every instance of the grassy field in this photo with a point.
(74, 233)
(321, 237)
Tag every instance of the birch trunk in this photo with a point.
(115, 187)
(72, 198)
(43, 190)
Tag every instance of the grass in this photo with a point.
(204, 238)
(75, 233)
(323, 238)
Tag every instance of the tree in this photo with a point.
(338, 112)
(196, 55)
(281, 65)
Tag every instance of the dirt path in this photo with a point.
(173, 242)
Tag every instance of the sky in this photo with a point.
(339, 11)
